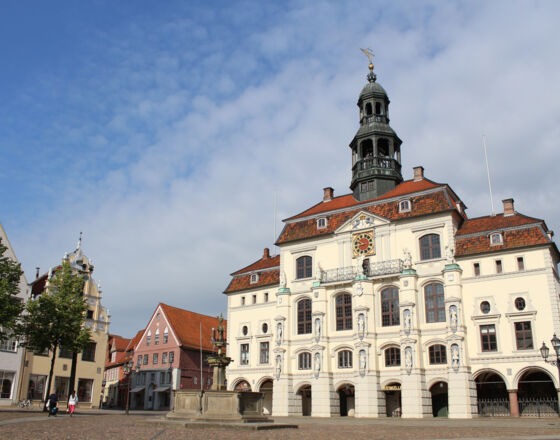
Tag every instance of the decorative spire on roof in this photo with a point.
(371, 77)
(79, 246)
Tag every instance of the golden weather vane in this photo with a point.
(370, 55)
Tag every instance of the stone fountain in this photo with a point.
(218, 404)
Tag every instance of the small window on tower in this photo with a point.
(404, 206)
(371, 185)
(368, 109)
(378, 108)
(321, 223)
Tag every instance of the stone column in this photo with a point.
(281, 390)
(369, 399)
(513, 404)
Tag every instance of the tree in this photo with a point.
(56, 318)
(10, 306)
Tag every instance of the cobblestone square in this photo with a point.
(110, 425)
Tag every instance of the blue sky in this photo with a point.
(162, 130)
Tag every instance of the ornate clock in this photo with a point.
(363, 244)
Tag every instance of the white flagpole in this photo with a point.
(488, 172)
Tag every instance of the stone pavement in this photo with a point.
(107, 425)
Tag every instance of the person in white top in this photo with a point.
(72, 401)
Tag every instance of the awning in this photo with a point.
(161, 389)
(137, 389)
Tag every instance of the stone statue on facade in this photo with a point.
(453, 317)
(455, 355)
(408, 358)
(279, 333)
(450, 254)
(407, 318)
(361, 325)
(407, 261)
(282, 279)
(317, 364)
(317, 329)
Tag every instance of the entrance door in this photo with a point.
(266, 389)
(439, 399)
(346, 398)
(393, 400)
(306, 400)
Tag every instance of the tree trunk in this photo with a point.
(73, 374)
(50, 378)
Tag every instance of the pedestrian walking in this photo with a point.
(52, 404)
(72, 402)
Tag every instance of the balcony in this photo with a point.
(373, 270)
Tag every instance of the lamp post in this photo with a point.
(127, 369)
(555, 341)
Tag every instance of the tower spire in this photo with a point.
(371, 76)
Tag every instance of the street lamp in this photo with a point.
(555, 341)
(127, 369)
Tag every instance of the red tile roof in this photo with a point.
(135, 340)
(496, 222)
(186, 326)
(243, 282)
(263, 263)
(120, 343)
(348, 200)
(433, 202)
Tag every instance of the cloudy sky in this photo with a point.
(163, 130)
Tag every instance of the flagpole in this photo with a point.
(488, 172)
(201, 378)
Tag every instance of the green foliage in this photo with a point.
(10, 306)
(56, 318)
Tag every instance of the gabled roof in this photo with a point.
(189, 326)
(267, 269)
(119, 343)
(495, 222)
(135, 340)
(263, 263)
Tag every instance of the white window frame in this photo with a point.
(254, 278)
(322, 222)
(405, 205)
(499, 236)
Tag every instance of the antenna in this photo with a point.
(275, 215)
(488, 172)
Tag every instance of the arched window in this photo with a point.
(390, 306)
(165, 335)
(378, 108)
(383, 147)
(303, 267)
(438, 354)
(434, 301)
(304, 316)
(156, 339)
(366, 148)
(344, 312)
(368, 109)
(304, 361)
(345, 359)
(429, 247)
(393, 357)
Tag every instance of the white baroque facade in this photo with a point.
(390, 301)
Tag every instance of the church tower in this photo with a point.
(376, 148)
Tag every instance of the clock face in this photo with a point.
(363, 243)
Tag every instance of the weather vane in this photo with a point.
(370, 55)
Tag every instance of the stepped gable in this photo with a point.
(267, 268)
(518, 231)
(340, 209)
(187, 328)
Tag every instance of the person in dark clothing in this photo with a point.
(53, 402)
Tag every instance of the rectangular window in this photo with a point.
(476, 269)
(164, 358)
(9, 344)
(89, 352)
(171, 356)
(393, 357)
(264, 353)
(145, 360)
(488, 338)
(254, 299)
(156, 339)
(139, 360)
(244, 358)
(165, 337)
(242, 300)
(520, 263)
(266, 297)
(148, 340)
(304, 361)
(85, 388)
(498, 266)
(64, 353)
(438, 354)
(155, 359)
(37, 352)
(345, 359)
(7, 381)
(89, 314)
(524, 335)
(61, 387)
(162, 377)
(36, 387)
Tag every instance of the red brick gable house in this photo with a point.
(167, 356)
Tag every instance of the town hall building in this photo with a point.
(391, 301)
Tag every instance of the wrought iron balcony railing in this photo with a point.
(374, 269)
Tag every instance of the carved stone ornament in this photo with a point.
(317, 364)
(407, 320)
(453, 317)
(363, 362)
(278, 366)
(359, 289)
(408, 361)
(317, 329)
(279, 333)
(455, 360)
(407, 260)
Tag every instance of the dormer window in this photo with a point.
(404, 206)
(321, 223)
(496, 239)
(254, 278)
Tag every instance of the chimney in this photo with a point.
(328, 194)
(508, 207)
(418, 173)
(266, 253)
(37, 273)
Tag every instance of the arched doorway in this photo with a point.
(266, 389)
(393, 405)
(305, 395)
(439, 399)
(537, 395)
(346, 396)
(492, 395)
(242, 385)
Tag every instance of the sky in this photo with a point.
(164, 131)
